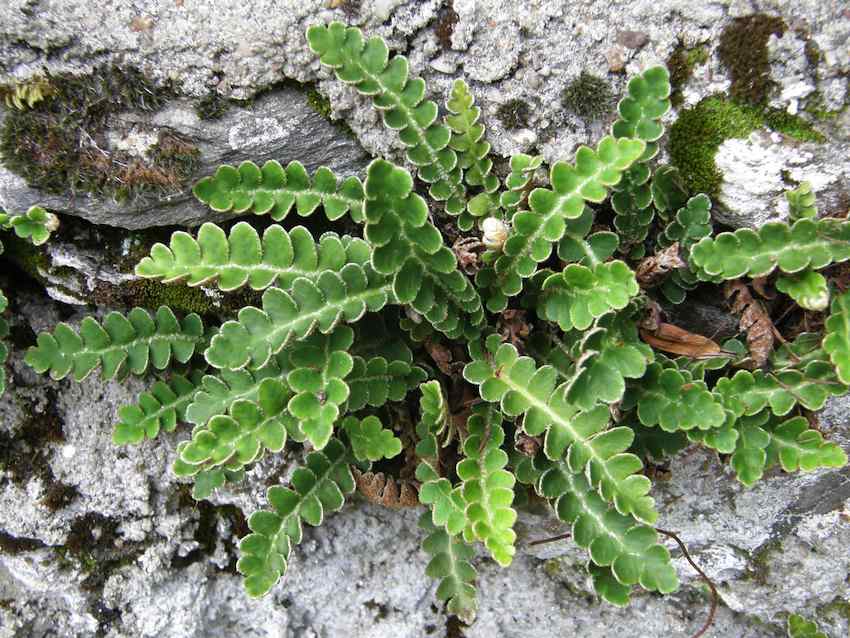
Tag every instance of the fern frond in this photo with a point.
(799, 627)
(473, 153)
(836, 341)
(120, 346)
(370, 440)
(801, 202)
(516, 183)
(535, 230)
(807, 244)
(319, 366)
(673, 400)
(274, 190)
(36, 224)
(240, 437)
(487, 486)
(645, 103)
(631, 201)
(691, 223)
(449, 563)
(159, 409)
(318, 487)
(448, 509)
(241, 257)
(257, 334)
(613, 539)
(748, 393)
(590, 445)
(366, 65)
(408, 247)
(216, 393)
(808, 288)
(375, 381)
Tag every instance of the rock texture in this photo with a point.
(101, 541)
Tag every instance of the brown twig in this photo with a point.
(552, 539)
(714, 596)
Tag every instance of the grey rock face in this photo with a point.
(98, 540)
(279, 125)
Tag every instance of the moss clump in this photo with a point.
(212, 106)
(319, 103)
(60, 145)
(816, 107)
(513, 114)
(743, 51)
(681, 65)
(588, 96)
(699, 131)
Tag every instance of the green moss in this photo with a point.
(179, 297)
(588, 96)
(319, 103)
(513, 114)
(681, 65)
(59, 145)
(815, 106)
(699, 131)
(212, 106)
(743, 51)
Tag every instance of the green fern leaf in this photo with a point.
(808, 288)
(801, 202)
(488, 486)
(748, 393)
(121, 345)
(797, 447)
(631, 201)
(231, 261)
(668, 191)
(673, 400)
(274, 190)
(375, 381)
(370, 441)
(159, 409)
(807, 244)
(449, 563)
(614, 540)
(319, 366)
(410, 249)
(589, 444)
(317, 488)
(799, 627)
(836, 341)
(240, 437)
(36, 224)
(287, 316)
(366, 64)
(448, 509)
(516, 183)
(535, 230)
(646, 102)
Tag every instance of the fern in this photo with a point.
(801, 202)
(836, 342)
(241, 257)
(120, 345)
(370, 441)
(473, 152)
(535, 230)
(799, 627)
(35, 225)
(791, 249)
(590, 445)
(286, 316)
(410, 249)
(614, 540)
(318, 487)
(376, 381)
(450, 557)
(159, 409)
(366, 64)
(275, 190)
(808, 288)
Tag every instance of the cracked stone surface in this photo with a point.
(127, 553)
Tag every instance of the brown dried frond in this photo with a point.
(754, 321)
(513, 327)
(652, 270)
(388, 491)
(669, 338)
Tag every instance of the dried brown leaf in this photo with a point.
(652, 270)
(388, 491)
(513, 327)
(670, 338)
(754, 321)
